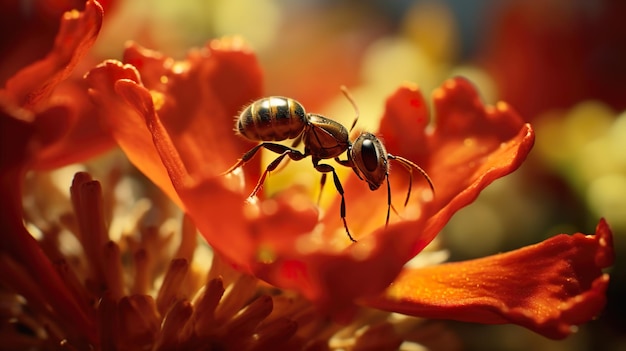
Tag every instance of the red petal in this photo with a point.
(70, 128)
(197, 101)
(32, 29)
(76, 35)
(65, 116)
(202, 97)
(331, 270)
(404, 123)
(470, 146)
(16, 146)
(189, 137)
(547, 287)
(195, 148)
(335, 278)
(126, 124)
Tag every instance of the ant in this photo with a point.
(277, 118)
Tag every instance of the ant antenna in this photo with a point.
(409, 165)
(346, 93)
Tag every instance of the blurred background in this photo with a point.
(560, 63)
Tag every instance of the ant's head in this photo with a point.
(369, 157)
(370, 161)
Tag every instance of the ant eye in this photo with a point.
(370, 156)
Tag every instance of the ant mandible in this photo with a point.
(277, 118)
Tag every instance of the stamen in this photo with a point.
(114, 274)
(238, 332)
(71, 280)
(142, 277)
(235, 297)
(86, 196)
(107, 322)
(270, 336)
(138, 321)
(170, 291)
(176, 317)
(229, 309)
(204, 314)
(188, 240)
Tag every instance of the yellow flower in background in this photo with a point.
(586, 145)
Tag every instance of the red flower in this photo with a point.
(49, 89)
(19, 145)
(548, 287)
(174, 121)
(44, 123)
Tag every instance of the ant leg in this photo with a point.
(393, 208)
(284, 151)
(349, 163)
(272, 166)
(295, 144)
(324, 168)
(277, 148)
(245, 158)
(345, 163)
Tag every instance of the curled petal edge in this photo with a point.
(550, 287)
(77, 34)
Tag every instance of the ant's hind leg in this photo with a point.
(324, 168)
(245, 158)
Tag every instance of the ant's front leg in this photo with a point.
(346, 163)
(325, 168)
(349, 163)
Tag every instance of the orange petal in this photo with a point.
(128, 122)
(76, 35)
(65, 118)
(70, 128)
(403, 124)
(548, 287)
(469, 146)
(473, 145)
(335, 279)
(139, 97)
(177, 127)
(16, 146)
(202, 95)
(251, 236)
(332, 271)
(190, 104)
